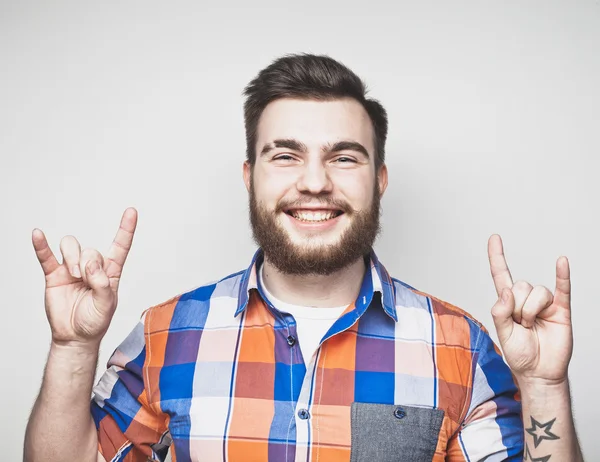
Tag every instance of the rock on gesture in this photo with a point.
(81, 293)
(533, 325)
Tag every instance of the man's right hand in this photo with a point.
(81, 293)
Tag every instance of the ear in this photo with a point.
(247, 174)
(382, 179)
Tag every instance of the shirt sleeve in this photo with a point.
(130, 429)
(492, 429)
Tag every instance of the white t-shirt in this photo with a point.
(311, 323)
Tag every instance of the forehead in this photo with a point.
(315, 122)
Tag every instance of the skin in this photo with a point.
(282, 174)
(536, 335)
(80, 298)
(533, 324)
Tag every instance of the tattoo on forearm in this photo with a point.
(540, 432)
(536, 429)
(528, 456)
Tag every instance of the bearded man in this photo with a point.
(314, 352)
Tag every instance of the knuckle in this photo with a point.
(522, 286)
(497, 311)
(530, 309)
(545, 293)
(90, 253)
(121, 245)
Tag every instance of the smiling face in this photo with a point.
(314, 192)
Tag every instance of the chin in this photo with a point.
(313, 244)
(314, 239)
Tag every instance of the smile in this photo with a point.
(313, 216)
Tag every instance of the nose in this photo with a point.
(314, 179)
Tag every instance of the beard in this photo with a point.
(314, 257)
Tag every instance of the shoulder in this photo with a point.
(447, 321)
(190, 309)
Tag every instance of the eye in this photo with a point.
(345, 160)
(284, 157)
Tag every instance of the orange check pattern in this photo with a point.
(217, 374)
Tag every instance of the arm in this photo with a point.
(80, 300)
(549, 428)
(63, 405)
(535, 332)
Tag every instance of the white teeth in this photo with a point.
(313, 216)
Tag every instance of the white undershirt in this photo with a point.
(311, 323)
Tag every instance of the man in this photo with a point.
(314, 352)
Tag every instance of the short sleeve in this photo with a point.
(129, 428)
(492, 429)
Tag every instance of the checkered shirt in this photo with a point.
(216, 374)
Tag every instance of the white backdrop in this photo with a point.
(494, 127)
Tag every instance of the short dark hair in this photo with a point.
(311, 77)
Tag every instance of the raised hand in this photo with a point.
(533, 324)
(81, 292)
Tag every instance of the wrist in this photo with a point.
(69, 374)
(75, 352)
(540, 382)
(538, 388)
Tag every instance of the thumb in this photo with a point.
(98, 281)
(502, 314)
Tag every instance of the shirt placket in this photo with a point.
(304, 406)
(299, 424)
(302, 411)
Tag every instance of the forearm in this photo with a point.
(549, 429)
(60, 427)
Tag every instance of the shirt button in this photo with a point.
(303, 414)
(399, 413)
(291, 340)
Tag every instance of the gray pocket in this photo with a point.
(394, 433)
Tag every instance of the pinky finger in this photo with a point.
(562, 294)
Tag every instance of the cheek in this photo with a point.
(356, 189)
(270, 188)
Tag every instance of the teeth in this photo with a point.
(313, 216)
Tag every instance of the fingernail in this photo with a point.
(75, 271)
(94, 267)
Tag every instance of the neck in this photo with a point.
(319, 291)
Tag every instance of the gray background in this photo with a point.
(494, 115)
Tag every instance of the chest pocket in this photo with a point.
(394, 433)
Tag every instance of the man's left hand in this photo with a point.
(533, 324)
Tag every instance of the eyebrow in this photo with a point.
(295, 145)
(346, 146)
(287, 143)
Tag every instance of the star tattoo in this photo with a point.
(535, 431)
(528, 456)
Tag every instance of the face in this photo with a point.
(314, 191)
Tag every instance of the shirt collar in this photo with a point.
(375, 280)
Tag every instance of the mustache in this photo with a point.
(307, 201)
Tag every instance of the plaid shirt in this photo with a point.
(217, 375)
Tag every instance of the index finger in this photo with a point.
(43, 253)
(119, 249)
(498, 265)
